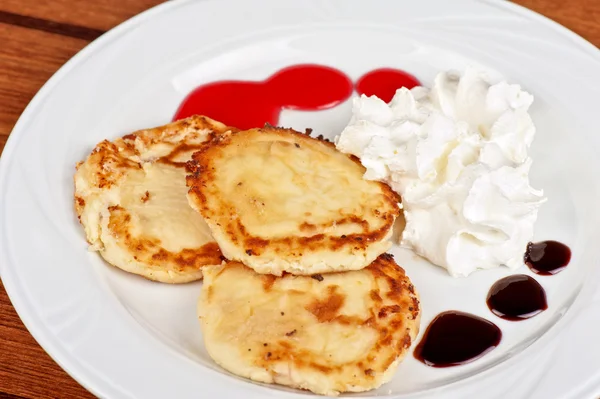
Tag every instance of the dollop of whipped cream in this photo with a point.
(458, 155)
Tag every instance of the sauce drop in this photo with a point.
(246, 104)
(454, 338)
(384, 82)
(517, 297)
(547, 257)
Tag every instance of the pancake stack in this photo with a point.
(289, 237)
(307, 298)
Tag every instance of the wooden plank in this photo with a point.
(581, 16)
(26, 371)
(97, 14)
(3, 138)
(78, 32)
(28, 58)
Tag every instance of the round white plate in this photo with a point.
(124, 337)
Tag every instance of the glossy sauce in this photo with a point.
(246, 104)
(454, 338)
(547, 257)
(384, 82)
(517, 297)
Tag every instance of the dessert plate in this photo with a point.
(125, 337)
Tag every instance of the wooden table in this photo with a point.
(36, 38)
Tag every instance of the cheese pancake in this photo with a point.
(281, 201)
(130, 197)
(330, 333)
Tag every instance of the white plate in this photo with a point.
(124, 337)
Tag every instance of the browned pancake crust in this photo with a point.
(114, 160)
(394, 323)
(150, 252)
(391, 311)
(202, 173)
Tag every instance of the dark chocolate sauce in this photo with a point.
(247, 104)
(547, 257)
(517, 297)
(454, 338)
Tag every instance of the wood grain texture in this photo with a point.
(32, 48)
(96, 14)
(28, 58)
(78, 32)
(26, 371)
(581, 16)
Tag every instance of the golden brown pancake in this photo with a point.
(282, 201)
(330, 333)
(130, 197)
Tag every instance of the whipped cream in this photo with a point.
(458, 155)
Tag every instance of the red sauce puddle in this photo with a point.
(305, 87)
(246, 104)
(384, 82)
